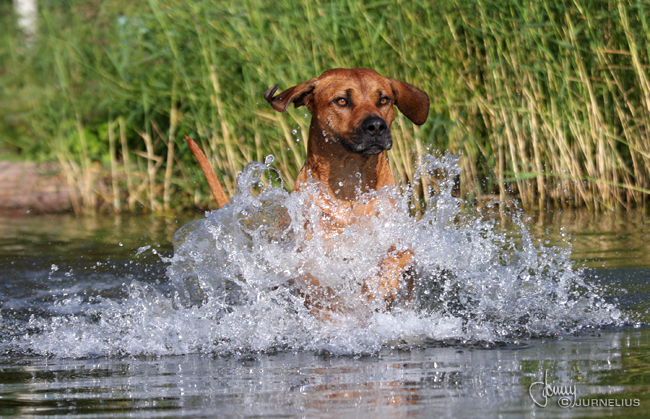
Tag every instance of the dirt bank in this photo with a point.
(27, 186)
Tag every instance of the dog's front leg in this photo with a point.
(394, 273)
(321, 300)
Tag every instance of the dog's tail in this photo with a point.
(215, 185)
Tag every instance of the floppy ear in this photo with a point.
(298, 95)
(411, 101)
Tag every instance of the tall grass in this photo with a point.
(548, 102)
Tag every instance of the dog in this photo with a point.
(352, 111)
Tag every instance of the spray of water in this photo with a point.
(233, 278)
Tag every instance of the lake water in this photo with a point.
(96, 321)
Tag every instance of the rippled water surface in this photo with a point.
(101, 318)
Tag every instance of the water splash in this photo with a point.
(232, 281)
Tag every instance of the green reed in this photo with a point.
(548, 102)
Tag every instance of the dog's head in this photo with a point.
(354, 107)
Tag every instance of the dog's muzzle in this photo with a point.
(372, 137)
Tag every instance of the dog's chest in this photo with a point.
(338, 214)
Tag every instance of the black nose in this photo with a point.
(374, 126)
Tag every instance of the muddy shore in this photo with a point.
(37, 188)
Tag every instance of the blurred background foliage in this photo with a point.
(547, 102)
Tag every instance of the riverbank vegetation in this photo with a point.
(547, 102)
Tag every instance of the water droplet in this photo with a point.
(142, 250)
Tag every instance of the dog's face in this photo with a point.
(354, 107)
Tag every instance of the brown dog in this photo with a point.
(352, 111)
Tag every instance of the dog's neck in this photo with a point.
(346, 174)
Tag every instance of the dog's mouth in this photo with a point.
(368, 145)
(375, 149)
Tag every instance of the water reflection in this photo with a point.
(65, 237)
(609, 239)
(443, 382)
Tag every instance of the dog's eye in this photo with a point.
(384, 100)
(341, 101)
